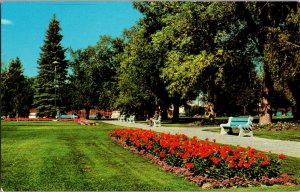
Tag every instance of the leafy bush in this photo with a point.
(203, 122)
(194, 110)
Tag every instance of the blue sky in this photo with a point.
(24, 25)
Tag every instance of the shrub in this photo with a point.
(194, 110)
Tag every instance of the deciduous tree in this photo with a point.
(93, 79)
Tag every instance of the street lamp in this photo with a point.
(55, 86)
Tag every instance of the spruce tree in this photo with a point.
(52, 74)
(15, 91)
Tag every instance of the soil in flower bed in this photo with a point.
(205, 163)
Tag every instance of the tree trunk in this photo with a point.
(211, 101)
(245, 109)
(266, 109)
(87, 115)
(175, 112)
(297, 112)
(210, 111)
(164, 111)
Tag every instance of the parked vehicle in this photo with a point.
(72, 116)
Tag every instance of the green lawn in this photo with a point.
(288, 135)
(55, 156)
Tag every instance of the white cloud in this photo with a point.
(6, 22)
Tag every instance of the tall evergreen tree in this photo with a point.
(16, 94)
(52, 74)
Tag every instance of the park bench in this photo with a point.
(122, 118)
(157, 122)
(131, 119)
(242, 123)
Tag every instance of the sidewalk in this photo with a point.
(290, 148)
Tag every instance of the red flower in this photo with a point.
(261, 155)
(185, 155)
(252, 161)
(189, 165)
(172, 151)
(204, 154)
(223, 153)
(229, 159)
(281, 156)
(232, 165)
(137, 143)
(241, 163)
(236, 156)
(162, 154)
(266, 162)
(179, 154)
(215, 160)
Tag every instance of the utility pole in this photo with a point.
(55, 87)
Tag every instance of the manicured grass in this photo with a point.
(185, 125)
(288, 135)
(56, 156)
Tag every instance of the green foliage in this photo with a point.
(141, 88)
(194, 110)
(226, 50)
(282, 50)
(16, 91)
(50, 82)
(93, 79)
(204, 44)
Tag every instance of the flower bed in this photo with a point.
(39, 119)
(279, 126)
(206, 163)
(28, 119)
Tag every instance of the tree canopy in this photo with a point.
(16, 90)
(237, 54)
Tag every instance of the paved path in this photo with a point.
(290, 148)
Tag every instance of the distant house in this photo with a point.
(80, 113)
(32, 113)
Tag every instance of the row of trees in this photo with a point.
(236, 53)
